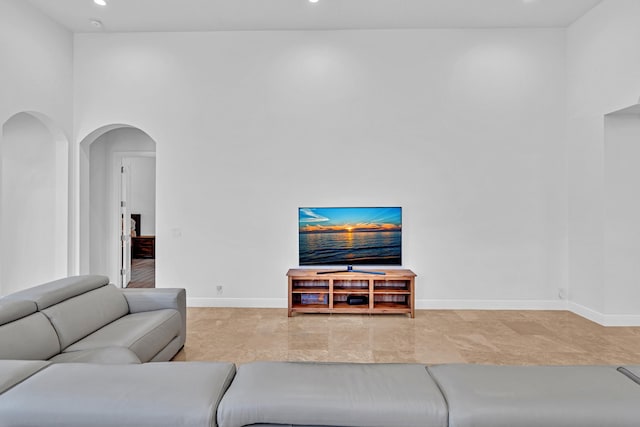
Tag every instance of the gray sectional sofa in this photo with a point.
(405, 395)
(161, 394)
(86, 319)
(294, 394)
(46, 331)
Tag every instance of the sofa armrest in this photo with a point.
(141, 299)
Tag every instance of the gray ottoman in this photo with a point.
(538, 396)
(332, 394)
(154, 394)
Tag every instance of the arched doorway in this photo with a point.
(621, 246)
(34, 189)
(117, 164)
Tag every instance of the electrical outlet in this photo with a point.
(219, 289)
(562, 294)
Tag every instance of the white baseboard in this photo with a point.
(587, 313)
(460, 304)
(605, 319)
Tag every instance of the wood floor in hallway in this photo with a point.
(242, 335)
(143, 273)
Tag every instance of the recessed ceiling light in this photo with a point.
(313, 1)
(100, 2)
(95, 23)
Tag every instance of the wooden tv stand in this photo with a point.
(392, 293)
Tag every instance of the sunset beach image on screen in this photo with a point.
(350, 236)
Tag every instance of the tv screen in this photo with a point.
(351, 236)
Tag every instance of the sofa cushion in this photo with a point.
(13, 372)
(11, 310)
(171, 394)
(333, 394)
(540, 396)
(77, 317)
(145, 333)
(107, 355)
(57, 291)
(28, 338)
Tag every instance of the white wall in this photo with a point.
(37, 64)
(100, 251)
(465, 128)
(28, 200)
(622, 214)
(142, 198)
(106, 153)
(462, 128)
(35, 77)
(603, 66)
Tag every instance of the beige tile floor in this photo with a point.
(242, 335)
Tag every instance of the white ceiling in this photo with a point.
(211, 15)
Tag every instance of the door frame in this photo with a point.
(117, 161)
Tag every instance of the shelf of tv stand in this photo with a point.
(356, 291)
(310, 290)
(391, 293)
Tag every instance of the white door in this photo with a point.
(125, 228)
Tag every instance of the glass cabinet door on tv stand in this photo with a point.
(320, 291)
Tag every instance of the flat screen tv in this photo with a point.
(350, 236)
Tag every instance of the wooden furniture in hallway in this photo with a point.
(143, 247)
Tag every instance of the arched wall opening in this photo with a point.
(34, 202)
(102, 153)
(622, 214)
